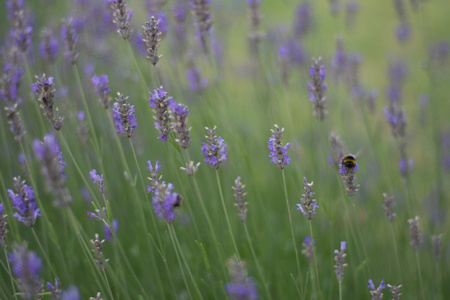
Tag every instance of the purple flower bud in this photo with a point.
(24, 202)
(71, 293)
(98, 180)
(70, 38)
(165, 201)
(214, 149)
(48, 47)
(122, 17)
(317, 88)
(241, 286)
(101, 85)
(151, 38)
(161, 103)
(278, 153)
(339, 259)
(123, 113)
(308, 205)
(26, 266)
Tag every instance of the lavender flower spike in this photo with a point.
(239, 194)
(48, 48)
(15, 121)
(278, 153)
(254, 7)
(123, 113)
(202, 17)
(416, 235)
(151, 38)
(339, 258)
(179, 116)
(101, 85)
(26, 266)
(317, 88)
(49, 154)
(347, 172)
(54, 289)
(241, 286)
(42, 89)
(161, 104)
(191, 168)
(155, 179)
(395, 291)
(376, 293)
(214, 149)
(308, 248)
(98, 180)
(70, 38)
(388, 207)
(24, 202)
(122, 17)
(98, 252)
(165, 201)
(308, 205)
(3, 230)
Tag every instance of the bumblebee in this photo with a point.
(349, 161)
(178, 201)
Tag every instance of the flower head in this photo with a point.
(165, 201)
(54, 289)
(376, 293)
(241, 287)
(214, 149)
(347, 171)
(26, 266)
(48, 47)
(122, 17)
(202, 17)
(308, 204)
(123, 113)
(278, 154)
(308, 248)
(179, 116)
(97, 179)
(70, 38)
(24, 202)
(388, 207)
(151, 38)
(317, 88)
(155, 178)
(42, 89)
(3, 223)
(339, 259)
(239, 195)
(161, 103)
(101, 85)
(416, 235)
(98, 252)
(191, 168)
(395, 291)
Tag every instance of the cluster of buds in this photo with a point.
(43, 89)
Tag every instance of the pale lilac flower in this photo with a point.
(48, 47)
(54, 289)
(278, 154)
(70, 38)
(26, 266)
(302, 19)
(308, 248)
(165, 201)
(101, 85)
(97, 179)
(339, 259)
(151, 38)
(308, 204)
(123, 113)
(161, 104)
(179, 116)
(241, 287)
(71, 293)
(24, 202)
(202, 18)
(214, 149)
(155, 178)
(317, 88)
(376, 293)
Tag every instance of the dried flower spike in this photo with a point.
(239, 195)
(308, 204)
(122, 17)
(42, 89)
(3, 223)
(179, 116)
(278, 153)
(416, 235)
(98, 253)
(388, 207)
(151, 38)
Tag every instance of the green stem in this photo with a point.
(137, 66)
(43, 252)
(10, 273)
(226, 215)
(396, 250)
(420, 275)
(340, 290)
(107, 284)
(315, 260)
(292, 230)
(257, 262)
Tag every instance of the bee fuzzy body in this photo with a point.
(348, 161)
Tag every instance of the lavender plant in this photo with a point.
(214, 149)
(278, 154)
(123, 113)
(161, 104)
(26, 266)
(42, 89)
(3, 223)
(317, 88)
(24, 202)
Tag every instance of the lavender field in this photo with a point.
(224, 149)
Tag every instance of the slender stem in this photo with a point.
(184, 259)
(179, 261)
(137, 66)
(340, 290)
(107, 284)
(36, 105)
(420, 275)
(292, 230)
(257, 262)
(226, 215)
(396, 251)
(43, 252)
(10, 273)
(315, 260)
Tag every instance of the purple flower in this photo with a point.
(3, 230)
(402, 32)
(241, 287)
(376, 293)
(197, 82)
(154, 178)
(178, 115)
(54, 289)
(48, 47)
(70, 38)
(161, 103)
(108, 233)
(317, 88)
(71, 293)
(308, 247)
(98, 180)
(42, 89)
(303, 20)
(123, 113)
(278, 154)
(165, 201)
(24, 202)
(122, 17)
(214, 149)
(308, 205)
(21, 30)
(101, 85)
(26, 266)
(339, 259)
(49, 154)
(347, 171)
